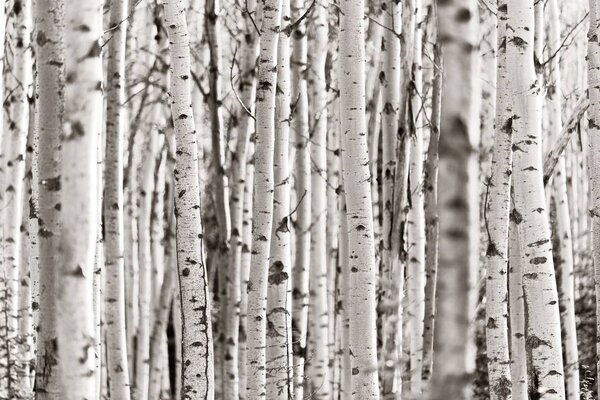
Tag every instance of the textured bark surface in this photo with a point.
(362, 287)
(197, 353)
(262, 211)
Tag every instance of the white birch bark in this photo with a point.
(389, 124)
(302, 182)
(197, 354)
(239, 184)
(245, 267)
(114, 290)
(518, 360)
(362, 302)
(83, 116)
(50, 80)
(458, 196)
(415, 272)
(18, 79)
(279, 296)
(593, 57)
(317, 363)
(563, 217)
(497, 211)
(543, 342)
(262, 210)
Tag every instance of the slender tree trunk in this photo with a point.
(318, 372)
(432, 218)
(543, 342)
(279, 299)
(415, 272)
(518, 364)
(362, 302)
(78, 180)
(239, 185)
(389, 124)
(302, 181)
(593, 57)
(563, 217)
(458, 195)
(50, 81)
(245, 266)
(229, 296)
(497, 223)
(18, 79)
(262, 210)
(197, 354)
(114, 291)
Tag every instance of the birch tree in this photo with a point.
(114, 291)
(50, 79)
(279, 363)
(197, 354)
(543, 343)
(78, 177)
(593, 57)
(318, 373)
(262, 210)
(18, 82)
(457, 24)
(302, 186)
(361, 301)
(497, 223)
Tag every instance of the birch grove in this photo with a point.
(298, 199)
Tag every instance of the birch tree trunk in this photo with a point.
(458, 194)
(114, 290)
(518, 364)
(563, 217)
(197, 353)
(229, 296)
(302, 182)
(279, 299)
(50, 81)
(543, 342)
(262, 210)
(83, 116)
(239, 185)
(497, 223)
(389, 124)
(361, 302)
(593, 57)
(415, 272)
(18, 80)
(318, 373)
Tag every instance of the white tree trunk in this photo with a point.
(497, 222)
(543, 342)
(563, 217)
(593, 57)
(18, 79)
(318, 373)
(302, 182)
(415, 271)
(197, 353)
(83, 117)
(262, 210)
(362, 302)
(389, 125)
(518, 364)
(458, 199)
(279, 299)
(114, 291)
(50, 80)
